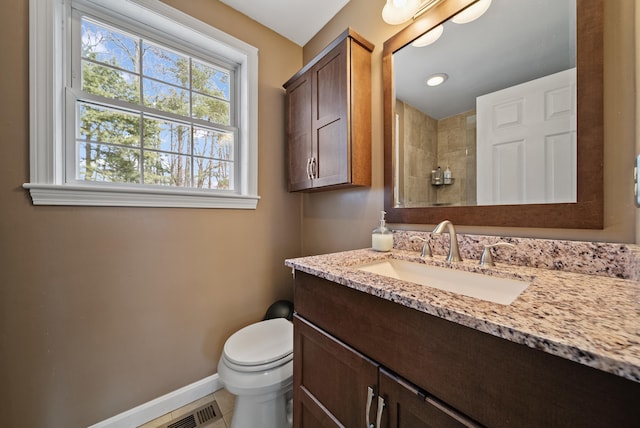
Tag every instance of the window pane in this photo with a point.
(213, 144)
(108, 46)
(212, 174)
(167, 136)
(110, 83)
(211, 109)
(124, 141)
(211, 80)
(162, 64)
(165, 97)
(101, 162)
(105, 125)
(167, 169)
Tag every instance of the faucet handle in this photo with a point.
(486, 259)
(426, 249)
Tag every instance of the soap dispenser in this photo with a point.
(382, 236)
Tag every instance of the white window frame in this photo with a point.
(48, 68)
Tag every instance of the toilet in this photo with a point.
(257, 366)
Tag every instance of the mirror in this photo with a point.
(470, 132)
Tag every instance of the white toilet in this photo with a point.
(257, 366)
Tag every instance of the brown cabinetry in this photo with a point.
(435, 373)
(328, 112)
(336, 386)
(332, 380)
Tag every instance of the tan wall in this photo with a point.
(637, 105)
(103, 309)
(341, 220)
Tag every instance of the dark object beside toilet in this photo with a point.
(280, 309)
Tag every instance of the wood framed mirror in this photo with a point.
(586, 211)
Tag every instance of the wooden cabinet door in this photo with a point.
(330, 380)
(299, 133)
(408, 407)
(329, 117)
(330, 99)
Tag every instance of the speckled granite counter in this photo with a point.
(592, 318)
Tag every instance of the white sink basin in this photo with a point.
(493, 289)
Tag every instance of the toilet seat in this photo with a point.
(260, 346)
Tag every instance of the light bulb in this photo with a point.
(472, 13)
(396, 12)
(429, 37)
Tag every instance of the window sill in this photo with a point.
(53, 194)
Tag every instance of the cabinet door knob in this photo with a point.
(370, 395)
(380, 410)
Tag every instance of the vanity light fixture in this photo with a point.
(429, 37)
(437, 79)
(397, 12)
(472, 13)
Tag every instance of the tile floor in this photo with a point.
(224, 399)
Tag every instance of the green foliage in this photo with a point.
(119, 146)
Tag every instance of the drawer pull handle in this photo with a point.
(380, 410)
(370, 395)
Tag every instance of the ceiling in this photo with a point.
(297, 20)
(513, 42)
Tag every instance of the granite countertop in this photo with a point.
(587, 318)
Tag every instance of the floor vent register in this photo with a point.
(203, 415)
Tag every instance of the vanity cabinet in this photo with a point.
(433, 372)
(328, 114)
(337, 386)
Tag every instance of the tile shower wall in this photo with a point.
(457, 150)
(426, 143)
(418, 149)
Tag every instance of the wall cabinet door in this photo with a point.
(331, 381)
(299, 133)
(330, 146)
(328, 110)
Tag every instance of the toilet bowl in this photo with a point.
(257, 366)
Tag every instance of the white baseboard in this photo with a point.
(162, 405)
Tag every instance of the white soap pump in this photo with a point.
(382, 236)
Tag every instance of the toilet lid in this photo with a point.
(260, 343)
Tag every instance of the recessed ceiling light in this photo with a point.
(472, 13)
(437, 79)
(429, 37)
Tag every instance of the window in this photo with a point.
(136, 104)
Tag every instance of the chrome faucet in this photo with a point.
(454, 252)
(486, 259)
(426, 249)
